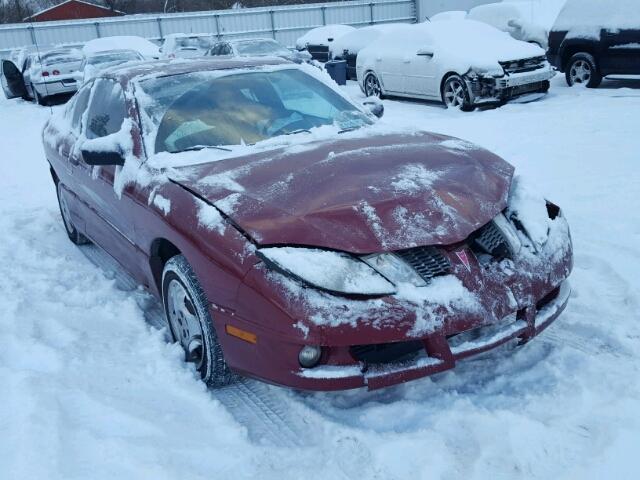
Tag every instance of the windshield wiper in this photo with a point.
(300, 130)
(202, 147)
(348, 129)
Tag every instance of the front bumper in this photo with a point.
(512, 300)
(487, 90)
(57, 87)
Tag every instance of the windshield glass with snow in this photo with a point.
(261, 47)
(192, 111)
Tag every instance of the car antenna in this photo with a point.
(35, 41)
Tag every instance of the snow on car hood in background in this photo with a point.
(358, 195)
(322, 35)
(125, 42)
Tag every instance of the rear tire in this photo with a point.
(372, 87)
(455, 94)
(72, 232)
(37, 97)
(582, 69)
(186, 310)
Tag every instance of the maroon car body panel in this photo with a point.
(314, 195)
(324, 197)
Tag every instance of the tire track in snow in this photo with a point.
(252, 403)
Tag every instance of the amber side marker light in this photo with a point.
(241, 334)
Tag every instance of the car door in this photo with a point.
(12, 80)
(621, 49)
(421, 70)
(391, 68)
(110, 216)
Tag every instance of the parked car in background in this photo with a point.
(293, 240)
(526, 20)
(317, 41)
(43, 75)
(144, 47)
(182, 45)
(462, 63)
(595, 38)
(256, 47)
(347, 46)
(94, 63)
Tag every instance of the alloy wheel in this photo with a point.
(454, 94)
(372, 86)
(580, 72)
(185, 324)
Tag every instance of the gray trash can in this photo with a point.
(337, 69)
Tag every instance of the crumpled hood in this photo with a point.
(360, 195)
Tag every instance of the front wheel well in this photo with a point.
(445, 77)
(161, 251)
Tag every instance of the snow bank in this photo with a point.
(322, 35)
(126, 42)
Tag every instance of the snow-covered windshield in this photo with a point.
(260, 47)
(65, 56)
(198, 110)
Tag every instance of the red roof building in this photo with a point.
(72, 10)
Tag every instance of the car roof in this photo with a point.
(165, 68)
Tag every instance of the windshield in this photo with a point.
(261, 47)
(114, 57)
(200, 110)
(61, 57)
(200, 43)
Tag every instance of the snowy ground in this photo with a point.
(89, 389)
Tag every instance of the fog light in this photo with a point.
(309, 356)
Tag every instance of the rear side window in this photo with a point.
(107, 109)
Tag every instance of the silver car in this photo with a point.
(42, 75)
(257, 47)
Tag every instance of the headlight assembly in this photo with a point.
(327, 270)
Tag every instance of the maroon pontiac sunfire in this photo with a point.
(294, 238)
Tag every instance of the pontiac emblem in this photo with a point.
(462, 255)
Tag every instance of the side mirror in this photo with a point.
(374, 106)
(102, 157)
(425, 52)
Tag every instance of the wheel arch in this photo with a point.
(571, 49)
(160, 252)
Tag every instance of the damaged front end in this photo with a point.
(518, 78)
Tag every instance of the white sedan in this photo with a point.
(460, 62)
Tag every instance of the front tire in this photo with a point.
(455, 94)
(372, 86)
(72, 232)
(582, 69)
(187, 314)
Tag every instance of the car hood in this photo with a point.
(360, 195)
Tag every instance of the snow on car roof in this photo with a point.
(125, 42)
(160, 68)
(590, 16)
(321, 35)
(356, 40)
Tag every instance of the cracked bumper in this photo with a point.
(495, 90)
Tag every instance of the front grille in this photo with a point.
(386, 352)
(524, 65)
(534, 87)
(428, 262)
(489, 239)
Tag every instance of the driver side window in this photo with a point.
(107, 109)
(79, 107)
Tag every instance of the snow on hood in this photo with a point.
(360, 195)
(322, 35)
(125, 42)
(356, 40)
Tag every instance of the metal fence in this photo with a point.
(284, 23)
